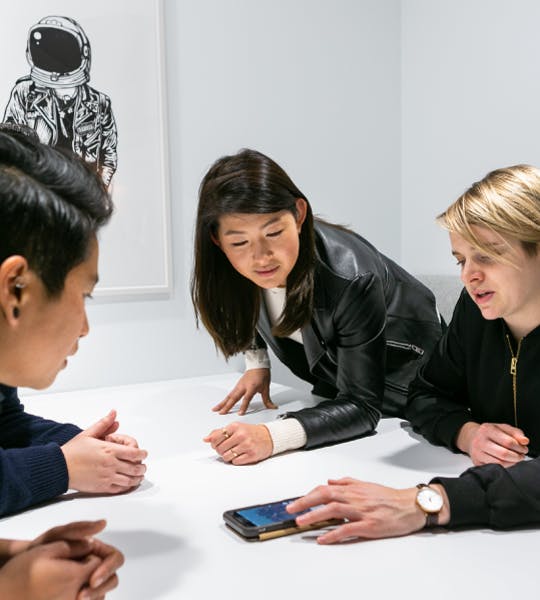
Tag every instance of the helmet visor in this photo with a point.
(54, 50)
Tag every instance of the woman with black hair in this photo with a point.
(332, 308)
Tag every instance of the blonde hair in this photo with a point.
(506, 201)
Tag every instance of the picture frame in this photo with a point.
(126, 65)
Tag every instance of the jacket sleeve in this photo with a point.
(32, 465)
(109, 158)
(15, 109)
(438, 402)
(359, 321)
(493, 496)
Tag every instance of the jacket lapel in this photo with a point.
(314, 346)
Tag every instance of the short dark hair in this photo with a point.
(226, 302)
(51, 205)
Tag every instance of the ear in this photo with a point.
(215, 240)
(14, 273)
(301, 212)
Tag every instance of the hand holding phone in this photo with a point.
(267, 521)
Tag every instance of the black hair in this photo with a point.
(226, 302)
(51, 205)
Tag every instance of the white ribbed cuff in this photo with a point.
(286, 434)
(257, 359)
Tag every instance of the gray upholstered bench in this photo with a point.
(446, 289)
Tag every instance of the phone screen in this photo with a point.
(268, 514)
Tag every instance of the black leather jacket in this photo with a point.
(372, 325)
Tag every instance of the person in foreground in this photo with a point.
(50, 210)
(479, 390)
(51, 207)
(64, 563)
(337, 312)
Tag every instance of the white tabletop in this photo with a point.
(177, 547)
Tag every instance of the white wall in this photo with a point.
(382, 112)
(470, 103)
(316, 85)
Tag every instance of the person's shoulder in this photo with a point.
(345, 253)
(335, 233)
(23, 82)
(96, 95)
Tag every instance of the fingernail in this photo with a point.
(97, 583)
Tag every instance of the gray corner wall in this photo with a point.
(470, 98)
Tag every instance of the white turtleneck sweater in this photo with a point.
(286, 434)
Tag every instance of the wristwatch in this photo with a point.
(431, 502)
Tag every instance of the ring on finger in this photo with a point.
(225, 433)
(235, 454)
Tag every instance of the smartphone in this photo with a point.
(267, 521)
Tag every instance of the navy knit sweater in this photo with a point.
(32, 465)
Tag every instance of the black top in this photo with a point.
(468, 378)
(372, 324)
(494, 496)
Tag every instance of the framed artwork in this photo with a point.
(89, 77)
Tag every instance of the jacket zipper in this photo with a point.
(513, 372)
(405, 346)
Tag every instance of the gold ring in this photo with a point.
(235, 454)
(225, 433)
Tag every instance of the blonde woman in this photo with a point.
(479, 391)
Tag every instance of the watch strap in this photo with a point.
(432, 519)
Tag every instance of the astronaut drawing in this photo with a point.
(56, 100)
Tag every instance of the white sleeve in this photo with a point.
(257, 359)
(286, 434)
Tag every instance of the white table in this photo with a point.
(177, 547)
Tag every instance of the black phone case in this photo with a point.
(247, 530)
(266, 532)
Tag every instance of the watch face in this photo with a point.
(429, 500)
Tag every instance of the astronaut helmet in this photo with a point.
(58, 52)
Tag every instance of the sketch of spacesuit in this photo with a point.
(56, 100)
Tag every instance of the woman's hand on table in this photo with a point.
(254, 381)
(498, 443)
(371, 510)
(241, 443)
